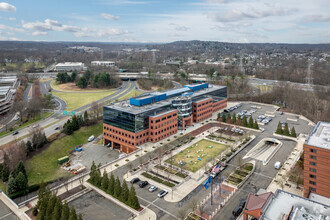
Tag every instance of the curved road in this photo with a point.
(56, 121)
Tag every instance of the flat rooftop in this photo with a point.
(280, 205)
(70, 64)
(125, 105)
(320, 136)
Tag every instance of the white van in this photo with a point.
(277, 165)
(91, 138)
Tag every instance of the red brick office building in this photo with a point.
(156, 116)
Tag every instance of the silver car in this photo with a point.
(152, 188)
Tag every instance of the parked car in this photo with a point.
(281, 113)
(108, 145)
(277, 165)
(135, 180)
(91, 138)
(152, 188)
(57, 128)
(237, 211)
(242, 203)
(162, 193)
(143, 184)
(15, 132)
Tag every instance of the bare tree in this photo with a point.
(81, 180)
(201, 209)
(193, 204)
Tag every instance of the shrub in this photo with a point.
(116, 165)
(127, 160)
(228, 154)
(157, 179)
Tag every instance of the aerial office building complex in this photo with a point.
(70, 66)
(152, 117)
(8, 86)
(317, 161)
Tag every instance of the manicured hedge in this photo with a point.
(157, 179)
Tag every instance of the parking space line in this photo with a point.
(6, 215)
(152, 203)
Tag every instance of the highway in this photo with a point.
(58, 120)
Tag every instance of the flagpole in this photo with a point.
(211, 192)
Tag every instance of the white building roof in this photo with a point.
(281, 204)
(320, 136)
(70, 64)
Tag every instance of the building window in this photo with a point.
(312, 170)
(312, 182)
(312, 176)
(312, 163)
(312, 157)
(312, 150)
(312, 189)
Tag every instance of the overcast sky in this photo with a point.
(242, 21)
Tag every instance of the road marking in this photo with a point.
(6, 215)
(151, 203)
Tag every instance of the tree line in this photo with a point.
(94, 80)
(50, 206)
(113, 187)
(227, 118)
(285, 131)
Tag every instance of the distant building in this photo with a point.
(317, 161)
(285, 205)
(70, 66)
(103, 63)
(8, 86)
(155, 116)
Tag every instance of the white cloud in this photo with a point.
(49, 25)
(100, 33)
(316, 18)
(12, 19)
(122, 2)
(179, 27)
(8, 28)
(39, 33)
(110, 17)
(4, 6)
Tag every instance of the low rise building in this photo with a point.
(155, 116)
(284, 205)
(70, 66)
(317, 161)
(103, 63)
(8, 86)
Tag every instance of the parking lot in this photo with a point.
(94, 206)
(6, 213)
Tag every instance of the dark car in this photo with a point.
(237, 211)
(242, 203)
(143, 184)
(135, 180)
(57, 128)
(15, 132)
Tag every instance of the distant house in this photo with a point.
(103, 63)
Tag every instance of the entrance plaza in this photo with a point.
(197, 155)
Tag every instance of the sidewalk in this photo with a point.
(282, 175)
(9, 203)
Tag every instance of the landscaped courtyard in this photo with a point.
(197, 155)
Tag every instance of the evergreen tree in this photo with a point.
(124, 192)
(219, 115)
(250, 125)
(117, 188)
(21, 182)
(20, 168)
(234, 118)
(111, 186)
(80, 217)
(255, 126)
(92, 174)
(73, 214)
(293, 132)
(228, 116)
(50, 207)
(286, 130)
(65, 211)
(43, 198)
(105, 180)
(86, 117)
(223, 117)
(5, 173)
(279, 129)
(12, 187)
(98, 178)
(132, 198)
(245, 124)
(57, 209)
(28, 147)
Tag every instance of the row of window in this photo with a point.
(312, 157)
(205, 103)
(163, 118)
(165, 129)
(312, 150)
(163, 136)
(119, 139)
(163, 124)
(204, 113)
(125, 134)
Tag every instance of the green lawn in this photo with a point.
(76, 100)
(43, 167)
(206, 153)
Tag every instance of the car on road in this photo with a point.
(152, 188)
(134, 180)
(91, 138)
(15, 132)
(57, 128)
(237, 211)
(35, 126)
(277, 165)
(143, 184)
(162, 193)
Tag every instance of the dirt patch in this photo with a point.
(73, 87)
